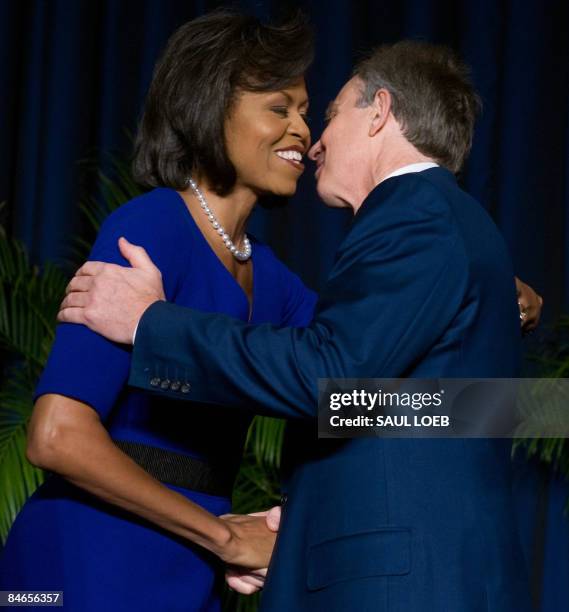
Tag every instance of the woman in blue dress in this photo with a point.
(128, 518)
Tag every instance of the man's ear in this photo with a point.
(381, 107)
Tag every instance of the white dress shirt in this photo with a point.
(418, 167)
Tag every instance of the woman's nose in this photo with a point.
(300, 129)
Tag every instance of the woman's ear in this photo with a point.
(381, 107)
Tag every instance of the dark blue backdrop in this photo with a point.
(74, 74)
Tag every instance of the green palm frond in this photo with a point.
(553, 361)
(257, 486)
(265, 440)
(18, 478)
(29, 301)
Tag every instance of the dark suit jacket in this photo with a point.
(422, 286)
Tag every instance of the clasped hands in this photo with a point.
(252, 542)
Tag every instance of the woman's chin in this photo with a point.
(278, 186)
(285, 191)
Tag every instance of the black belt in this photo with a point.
(181, 470)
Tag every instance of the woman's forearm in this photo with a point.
(75, 445)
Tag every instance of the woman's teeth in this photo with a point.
(290, 155)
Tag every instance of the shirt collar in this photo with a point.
(418, 167)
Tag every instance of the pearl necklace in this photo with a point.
(242, 255)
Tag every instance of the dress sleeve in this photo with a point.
(82, 364)
(300, 302)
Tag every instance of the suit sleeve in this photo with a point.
(396, 285)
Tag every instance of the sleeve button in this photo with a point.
(185, 388)
(175, 386)
(165, 384)
(154, 382)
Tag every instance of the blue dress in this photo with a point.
(101, 556)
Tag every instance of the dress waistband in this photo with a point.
(181, 470)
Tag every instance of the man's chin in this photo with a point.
(328, 196)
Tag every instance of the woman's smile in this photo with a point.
(293, 156)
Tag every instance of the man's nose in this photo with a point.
(315, 151)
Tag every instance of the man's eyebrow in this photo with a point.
(330, 109)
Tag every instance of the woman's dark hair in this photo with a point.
(205, 63)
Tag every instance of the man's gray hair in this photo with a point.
(432, 97)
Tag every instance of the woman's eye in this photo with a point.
(283, 111)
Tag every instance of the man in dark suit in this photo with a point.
(422, 286)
